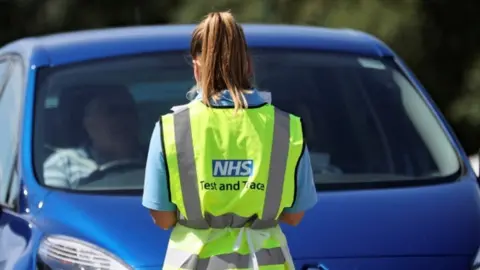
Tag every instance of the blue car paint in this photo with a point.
(399, 228)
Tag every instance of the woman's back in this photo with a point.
(231, 162)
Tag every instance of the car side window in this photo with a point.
(10, 110)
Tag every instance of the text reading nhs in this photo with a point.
(232, 168)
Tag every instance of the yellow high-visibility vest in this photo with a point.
(230, 175)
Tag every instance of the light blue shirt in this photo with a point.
(155, 193)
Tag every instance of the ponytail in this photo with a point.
(219, 44)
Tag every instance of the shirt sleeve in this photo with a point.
(54, 171)
(155, 191)
(306, 196)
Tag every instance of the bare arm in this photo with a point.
(164, 219)
(292, 219)
(155, 191)
(306, 195)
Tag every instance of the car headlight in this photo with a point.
(476, 261)
(63, 252)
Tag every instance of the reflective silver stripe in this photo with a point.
(228, 220)
(189, 183)
(278, 165)
(187, 168)
(185, 260)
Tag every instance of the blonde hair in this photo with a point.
(219, 44)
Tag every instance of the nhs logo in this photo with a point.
(232, 168)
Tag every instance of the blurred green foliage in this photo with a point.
(439, 39)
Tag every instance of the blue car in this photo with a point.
(395, 189)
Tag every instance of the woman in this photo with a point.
(226, 168)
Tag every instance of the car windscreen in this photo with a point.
(365, 123)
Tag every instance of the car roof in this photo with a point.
(71, 47)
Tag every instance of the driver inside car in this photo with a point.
(110, 121)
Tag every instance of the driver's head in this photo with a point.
(110, 118)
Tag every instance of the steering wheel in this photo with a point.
(117, 166)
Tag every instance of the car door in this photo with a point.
(14, 229)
